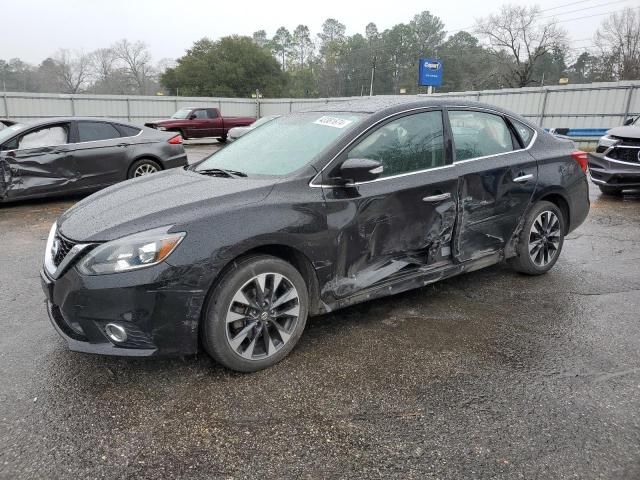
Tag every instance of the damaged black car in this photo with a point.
(310, 213)
(80, 155)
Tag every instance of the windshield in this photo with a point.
(282, 145)
(182, 113)
(263, 120)
(9, 132)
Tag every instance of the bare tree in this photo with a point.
(103, 62)
(137, 63)
(73, 70)
(518, 40)
(619, 39)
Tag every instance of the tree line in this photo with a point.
(517, 46)
(123, 68)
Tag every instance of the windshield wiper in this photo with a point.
(221, 171)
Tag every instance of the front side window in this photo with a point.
(200, 113)
(478, 134)
(95, 131)
(212, 113)
(408, 144)
(45, 137)
(182, 113)
(283, 145)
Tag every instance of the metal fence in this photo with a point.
(598, 105)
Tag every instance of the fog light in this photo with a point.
(115, 332)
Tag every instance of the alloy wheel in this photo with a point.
(262, 316)
(544, 238)
(145, 169)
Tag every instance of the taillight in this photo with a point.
(581, 158)
(177, 140)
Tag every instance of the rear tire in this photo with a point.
(540, 241)
(255, 314)
(222, 139)
(142, 167)
(606, 190)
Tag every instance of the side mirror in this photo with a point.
(628, 121)
(356, 170)
(192, 116)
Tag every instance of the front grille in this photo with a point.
(629, 141)
(64, 247)
(625, 154)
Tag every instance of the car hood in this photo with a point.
(630, 131)
(174, 197)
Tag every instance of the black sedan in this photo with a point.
(310, 213)
(72, 155)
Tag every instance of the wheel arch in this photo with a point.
(562, 203)
(145, 156)
(289, 254)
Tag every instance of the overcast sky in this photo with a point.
(34, 29)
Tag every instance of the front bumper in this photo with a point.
(156, 306)
(613, 173)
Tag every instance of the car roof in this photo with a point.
(47, 121)
(389, 104)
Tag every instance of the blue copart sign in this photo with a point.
(430, 72)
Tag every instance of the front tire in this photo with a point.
(256, 314)
(540, 241)
(606, 190)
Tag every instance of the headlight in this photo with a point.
(608, 141)
(131, 253)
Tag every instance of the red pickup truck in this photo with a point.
(201, 122)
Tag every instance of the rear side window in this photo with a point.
(127, 131)
(408, 144)
(478, 134)
(525, 133)
(94, 131)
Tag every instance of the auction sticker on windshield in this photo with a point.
(333, 122)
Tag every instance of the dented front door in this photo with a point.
(36, 171)
(401, 222)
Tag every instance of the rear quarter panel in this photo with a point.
(559, 174)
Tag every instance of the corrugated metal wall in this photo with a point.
(599, 105)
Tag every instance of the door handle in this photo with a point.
(523, 178)
(437, 198)
(122, 145)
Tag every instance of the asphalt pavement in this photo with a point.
(488, 375)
